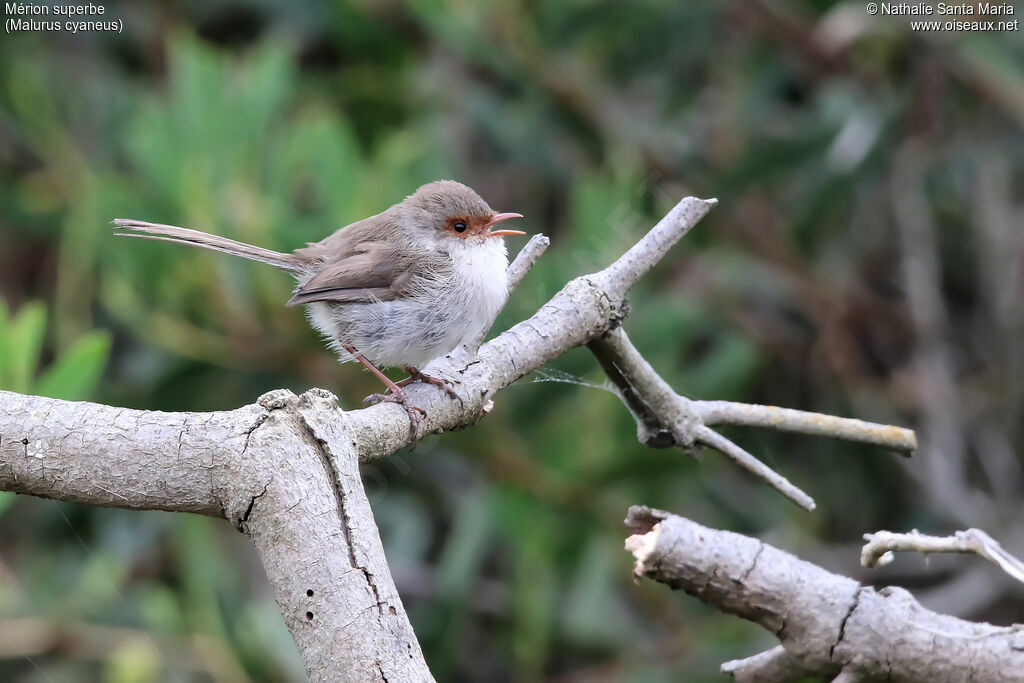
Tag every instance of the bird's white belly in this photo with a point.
(442, 312)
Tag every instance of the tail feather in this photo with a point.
(195, 238)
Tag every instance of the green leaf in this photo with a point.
(24, 341)
(75, 374)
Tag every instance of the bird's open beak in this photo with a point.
(498, 218)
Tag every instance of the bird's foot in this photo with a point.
(416, 376)
(398, 396)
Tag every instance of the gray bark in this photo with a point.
(284, 471)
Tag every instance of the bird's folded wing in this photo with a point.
(370, 274)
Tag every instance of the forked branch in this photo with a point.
(664, 418)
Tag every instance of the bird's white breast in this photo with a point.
(444, 308)
(479, 273)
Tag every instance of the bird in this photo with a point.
(397, 289)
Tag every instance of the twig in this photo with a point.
(652, 247)
(525, 259)
(880, 546)
(748, 462)
(829, 624)
(803, 422)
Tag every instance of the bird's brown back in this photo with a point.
(363, 261)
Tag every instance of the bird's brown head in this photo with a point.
(454, 210)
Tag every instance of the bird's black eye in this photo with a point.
(459, 227)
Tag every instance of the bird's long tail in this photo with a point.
(171, 233)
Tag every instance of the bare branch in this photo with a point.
(525, 260)
(880, 546)
(103, 455)
(663, 417)
(748, 462)
(285, 470)
(803, 422)
(638, 260)
(827, 623)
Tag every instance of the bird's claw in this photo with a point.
(415, 375)
(413, 411)
(395, 394)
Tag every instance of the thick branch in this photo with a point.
(103, 455)
(284, 471)
(827, 623)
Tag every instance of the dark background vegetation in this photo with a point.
(866, 259)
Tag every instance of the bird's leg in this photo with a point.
(416, 376)
(396, 396)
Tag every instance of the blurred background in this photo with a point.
(866, 259)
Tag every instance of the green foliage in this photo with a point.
(73, 375)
